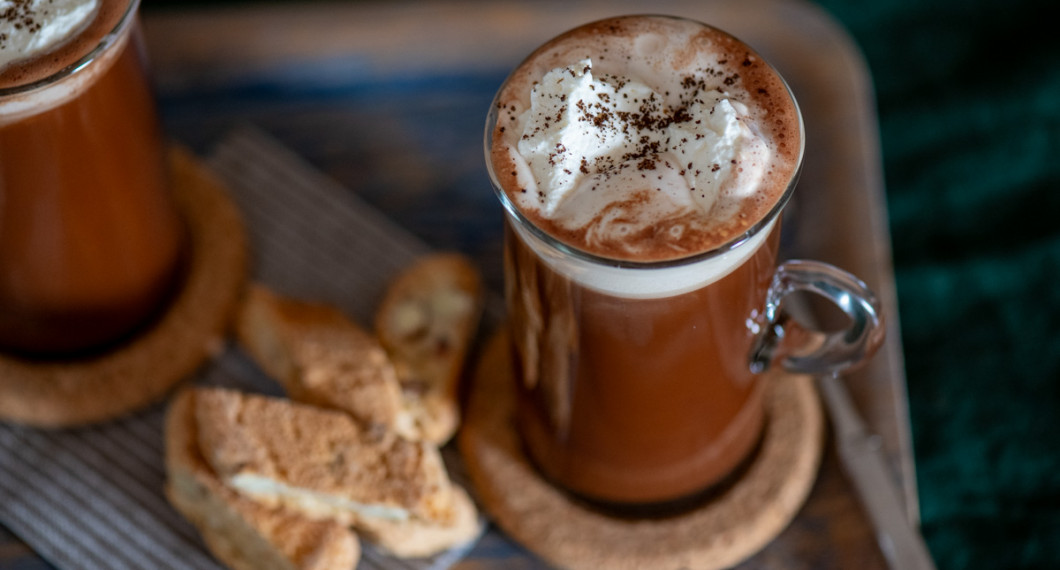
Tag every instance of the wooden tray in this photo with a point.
(390, 100)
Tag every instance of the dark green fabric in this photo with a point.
(969, 105)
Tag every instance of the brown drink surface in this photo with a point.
(89, 239)
(638, 390)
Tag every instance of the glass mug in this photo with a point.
(90, 239)
(639, 385)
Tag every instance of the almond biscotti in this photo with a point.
(321, 357)
(319, 462)
(426, 323)
(238, 531)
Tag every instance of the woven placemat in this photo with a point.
(139, 372)
(721, 533)
(91, 497)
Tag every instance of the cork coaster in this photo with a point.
(141, 371)
(719, 534)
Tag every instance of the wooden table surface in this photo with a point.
(390, 100)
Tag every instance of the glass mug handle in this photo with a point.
(803, 350)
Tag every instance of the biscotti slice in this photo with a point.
(416, 538)
(321, 357)
(426, 323)
(319, 462)
(241, 533)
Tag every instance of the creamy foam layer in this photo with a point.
(646, 139)
(49, 70)
(84, 26)
(647, 283)
(18, 107)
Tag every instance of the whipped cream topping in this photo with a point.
(32, 27)
(596, 141)
(644, 139)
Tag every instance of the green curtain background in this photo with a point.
(969, 106)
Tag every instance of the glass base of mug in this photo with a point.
(68, 337)
(668, 507)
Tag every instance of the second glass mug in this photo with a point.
(90, 239)
(646, 402)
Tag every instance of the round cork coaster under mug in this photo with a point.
(62, 393)
(722, 532)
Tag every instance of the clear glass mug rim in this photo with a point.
(547, 239)
(84, 61)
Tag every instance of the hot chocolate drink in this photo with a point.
(643, 162)
(90, 240)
